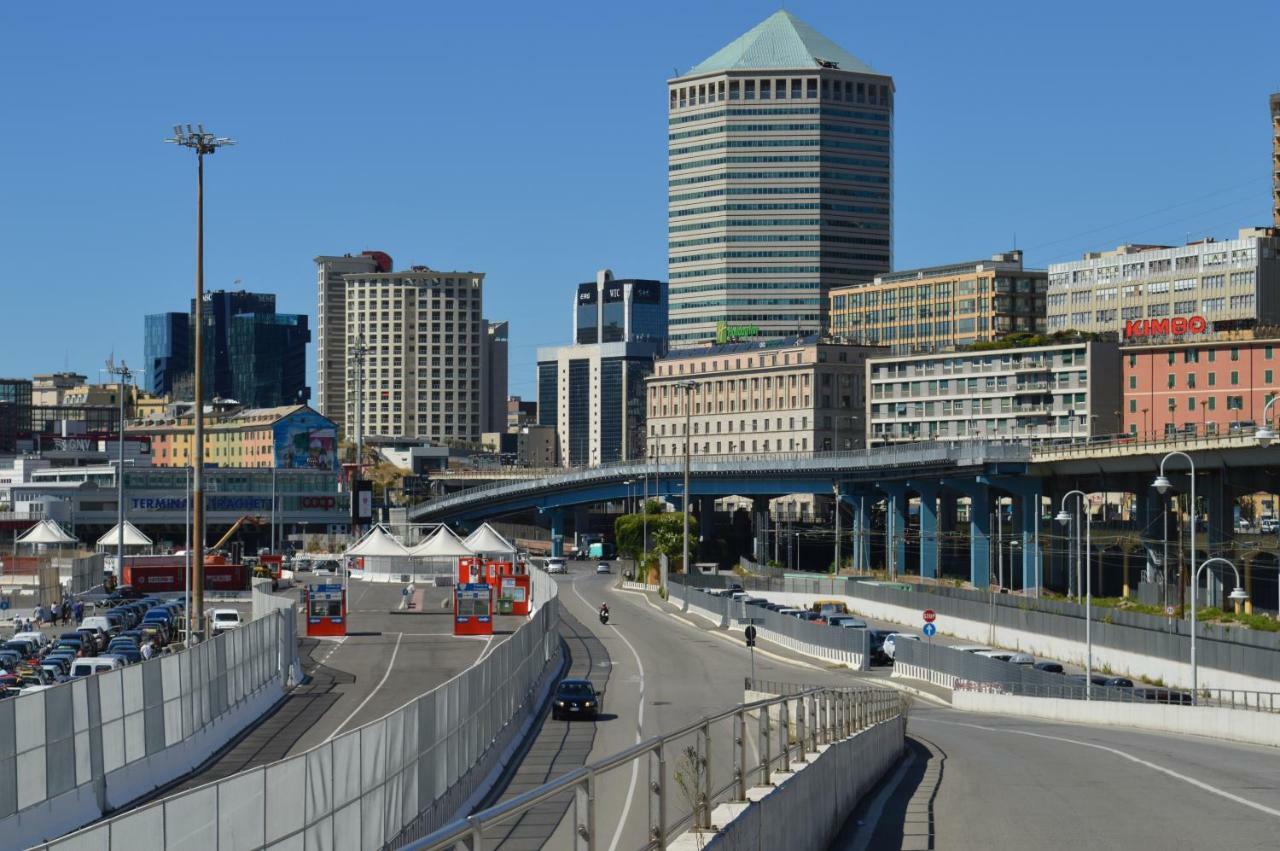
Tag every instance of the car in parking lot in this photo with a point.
(575, 699)
(95, 665)
(1011, 656)
(890, 644)
(1111, 682)
(846, 621)
(1049, 667)
(225, 619)
(877, 637)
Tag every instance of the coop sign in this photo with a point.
(1175, 327)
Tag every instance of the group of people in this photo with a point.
(61, 612)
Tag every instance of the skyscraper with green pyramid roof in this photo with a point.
(780, 183)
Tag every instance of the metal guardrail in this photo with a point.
(958, 453)
(685, 778)
(1254, 701)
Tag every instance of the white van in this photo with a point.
(99, 622)
(39, 638)
(95, 665)
(225, 619)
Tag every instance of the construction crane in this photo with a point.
(235, 527)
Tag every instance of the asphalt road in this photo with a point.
(971, 781)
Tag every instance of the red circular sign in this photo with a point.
(930, 615)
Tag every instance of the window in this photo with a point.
(1191, 380)
(1235, 378)
(1213, 377)
(1173, 380)
(1133, 406)
(1133, 382)
(1266, 376)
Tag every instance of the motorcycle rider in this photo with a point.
(604, 611)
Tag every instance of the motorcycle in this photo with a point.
(604, 617)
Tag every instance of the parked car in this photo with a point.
(877, 636)
(788, 611)
(1111, 682)
(846, 621)
(575, 699)
(1049, 667)
(1011, 656)
(891, 642)
(95, 665)
(225, 619)
(1163, 695)
(812, 617)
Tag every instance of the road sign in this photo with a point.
(930, 615)
(930, 630)
(1169, 610)
(751, 636)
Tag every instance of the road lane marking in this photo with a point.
(1199, 784)
(369, 696)
(635, 763)
(484, 651)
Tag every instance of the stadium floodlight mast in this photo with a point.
(203, 143)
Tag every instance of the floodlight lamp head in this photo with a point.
(1162, 484)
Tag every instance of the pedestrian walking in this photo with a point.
(66, 611)
(79, 612)
(53, 611)
(146, 651)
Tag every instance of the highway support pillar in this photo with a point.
(860, 502)
(979, 527)
(946, 529)
(928, 528)
(556, 516)
(760, 529)
(1030, 506)
(706, 526)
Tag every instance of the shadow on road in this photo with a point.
(906, 820)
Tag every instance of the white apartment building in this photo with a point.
(1065, 391)
(1138, 290)
(422, 372)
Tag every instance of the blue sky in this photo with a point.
(529, 143)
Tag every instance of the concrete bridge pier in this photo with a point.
(895, 531)
(947, 505)
(929, 564)
(860, 502)
(706, 526)
(979, 495)
(556, 516)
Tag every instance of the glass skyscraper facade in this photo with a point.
(592, 391)
(251, 353)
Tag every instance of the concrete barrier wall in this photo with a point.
(1174, 673)
(807, 809)
(1237, 725)
(74, 752)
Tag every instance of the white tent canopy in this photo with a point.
(442, 544)
(132, 537)
(46, 532)
(377, 542)
(486, 540)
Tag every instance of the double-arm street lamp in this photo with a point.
(1237, 595)
(1064, 517)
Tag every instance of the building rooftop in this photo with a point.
(781, 41)
(750, 346)
(1010, 261)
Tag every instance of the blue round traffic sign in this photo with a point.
(930, 630)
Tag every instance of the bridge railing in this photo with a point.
(1125, 444)
(957, 452)
(689, 771)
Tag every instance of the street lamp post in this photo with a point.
(1265, 433)
(1237, 595)
(204, 144)
(835, 489)
(688, 387)
(1064, 518)
(123, 374)
(1162, 485)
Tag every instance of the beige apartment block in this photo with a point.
(422, 372)
(331, 327)
(800, 395)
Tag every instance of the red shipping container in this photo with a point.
(226, 577)
(151, 578)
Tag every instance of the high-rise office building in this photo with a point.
(592, 392)
(1275, 159)
(424, 335)
(251, 353)
(331, 326)
(780, 183)
(493, 414)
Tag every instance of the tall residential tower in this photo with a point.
(780, 183)
(331, 326)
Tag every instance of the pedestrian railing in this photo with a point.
(689, 771)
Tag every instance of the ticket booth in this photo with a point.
(326, 610)
(273, 563)
(472, 609)
(513, 594)
(495, 570)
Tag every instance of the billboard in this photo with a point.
(306, 441)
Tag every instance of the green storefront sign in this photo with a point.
(726, 333)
